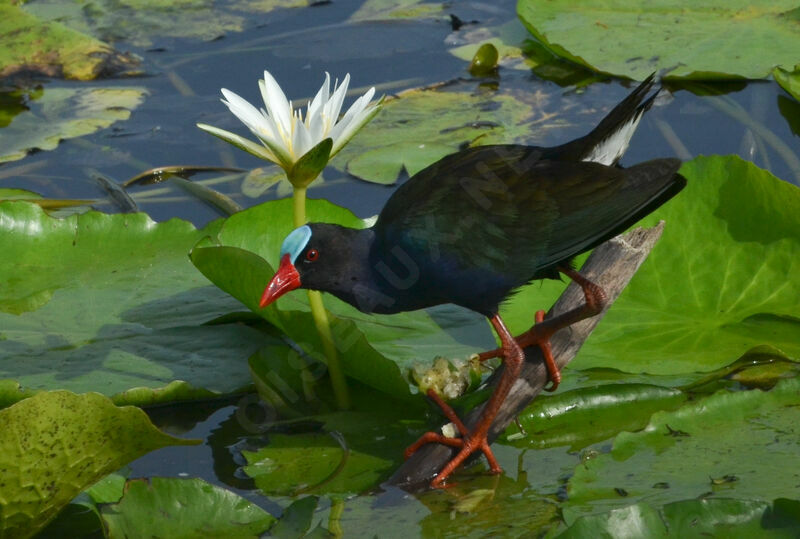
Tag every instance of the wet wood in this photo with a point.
(611, 265)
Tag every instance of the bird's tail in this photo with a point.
(607, 142)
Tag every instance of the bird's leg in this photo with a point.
(542, 330)
(477, 439)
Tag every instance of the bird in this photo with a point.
(477, 225)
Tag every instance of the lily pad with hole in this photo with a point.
(708, 40)
(55, 444)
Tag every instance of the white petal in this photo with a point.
(316, 126)
(240, 142)
(277, 105)
(316, 104)
(344, 131)
(334, 105)
(301, 141)
(358, 106)
(242, 109)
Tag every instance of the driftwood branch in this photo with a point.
(611, 265)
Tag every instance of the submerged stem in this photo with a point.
(320, 316)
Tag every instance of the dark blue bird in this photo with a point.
(478, 224)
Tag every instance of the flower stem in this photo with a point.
(299, 206)
(320, 316)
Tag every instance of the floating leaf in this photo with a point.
(441, 122)
(384, 165)
(503, 508)
(111, 303)
(581, 417)
(789, 80)
(313, 463)
(64, 113)
(751, 436)
(55, 444)
(169, 507)
(694, 518)
(296, 519)
(50, 48)
(141, 22)
(697, 41)
(716, 285)
(377, 10)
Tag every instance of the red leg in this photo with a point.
(542, 330)
(477, 440)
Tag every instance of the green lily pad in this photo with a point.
(346, 452)
(111, 303)
(716, 285)
(169, 507)
(789, 80)
(444, 121)
(64, 113)
(11, 392)
(141, 22)
(715, 39)
(741, 445)
(30, 44)
(499, 511)
(581, 417)
(55, 444)
(728, 518)
(384, 165)
(296, 519)
(373, 348)
(378, 10)
(313, 463)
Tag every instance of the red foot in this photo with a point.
(467, 443)
(537, 335)
(542, 330)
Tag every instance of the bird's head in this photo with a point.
(317, 256)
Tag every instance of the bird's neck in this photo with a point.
(378, 278)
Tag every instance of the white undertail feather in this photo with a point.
(610, 150)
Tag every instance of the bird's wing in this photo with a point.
(504, 209)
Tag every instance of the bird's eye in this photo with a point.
(312, 255)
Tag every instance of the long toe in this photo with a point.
(469, 447)
(432, 437)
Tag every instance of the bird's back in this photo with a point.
(481, 222)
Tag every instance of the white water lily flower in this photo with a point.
(286, 136)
